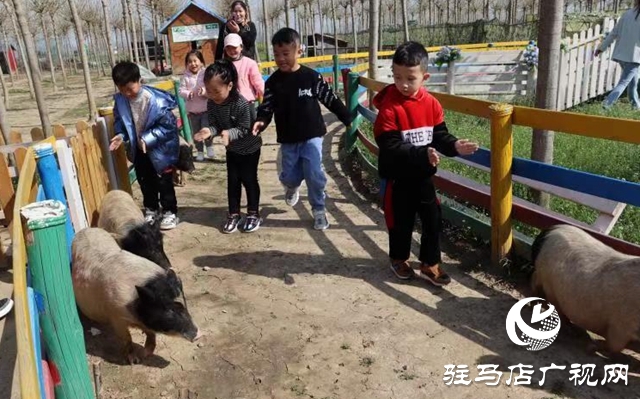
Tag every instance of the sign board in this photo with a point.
(192, 33)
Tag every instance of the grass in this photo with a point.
(598, 156)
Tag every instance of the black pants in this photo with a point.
(153, 185)
(242, 170)
(401, 203)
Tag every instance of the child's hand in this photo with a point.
(190, 95)
(257, 127)
(202, 92)
(597, 52)
(225, 138)
(143, 146)
(434, 158)
(202, 135)
(466, 147)
(116, 142)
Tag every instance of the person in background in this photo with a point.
(240, 23)
(627, 54)
(250, 82)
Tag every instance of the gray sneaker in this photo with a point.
(291, 195)
(320, 221)
(150, 215)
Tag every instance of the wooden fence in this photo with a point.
(608, 196)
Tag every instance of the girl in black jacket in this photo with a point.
(240, 23)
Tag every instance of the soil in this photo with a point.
(290, 312)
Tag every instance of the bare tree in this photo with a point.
(405, 20)
(107, 31)
(287, 10)
(32, 57)
(41, 8)
(335, 27)
(134, 34)
(127, 24)
(5, 127)
(83, 57)
(549, 39)
(143, 41)
(53, 10)
(266, 29)
(23, 52)
(374, 21)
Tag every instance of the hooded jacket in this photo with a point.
(160, 132)
(405, 129)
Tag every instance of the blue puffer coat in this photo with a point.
(160, 132)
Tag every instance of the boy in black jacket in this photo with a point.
(291, 94)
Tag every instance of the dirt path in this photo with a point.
(290, 312)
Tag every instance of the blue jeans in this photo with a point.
(630, 71)
(304, 161)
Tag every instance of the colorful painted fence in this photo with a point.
(608, 196)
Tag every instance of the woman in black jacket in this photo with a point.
(239, 23)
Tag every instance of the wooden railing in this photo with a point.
(599, 192)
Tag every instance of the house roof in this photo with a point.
(204, 8)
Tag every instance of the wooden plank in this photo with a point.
(615, 129)
(605, 222)
(595, 67)
(37, 134)
(7, 193)
(573, 60)
(20, 154)
(107, 156)
(602, 205)
(577, 90)
(586, 70)
(101, 167)
(95, 168)
(15, 136)
(29, 386)
(80, 157)
(72, 189)
(370, 145)
(59, 131)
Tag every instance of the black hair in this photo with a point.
(244, 6)
(411, 54)
(125, 72)
(285, 36)
(197, 53)
(226, 71)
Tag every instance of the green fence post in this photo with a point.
(336, 72)
(182, 107)
(49, 265)
(351, 88)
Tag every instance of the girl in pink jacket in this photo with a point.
(250, 82)
(193, 91)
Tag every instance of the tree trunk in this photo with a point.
(134, 34)
(5, 127)
(156, 42)
(85, 60)
(127, 30)
(321, 17)
(59, 51)
(405, 20)
(107, 30)
(32, 57)
(266, 30)
(287, 9)
(23, 55)
(549, 39)
(52, 68)
(74, 62)
(374, 22)
(353, 26)
(96, 48)
(335, 28)
(379, 26)
(8, 48)
(145, 50)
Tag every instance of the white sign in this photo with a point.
(533, 338)
(192, 33)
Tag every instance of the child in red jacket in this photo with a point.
(410, 127)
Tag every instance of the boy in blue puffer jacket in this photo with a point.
(143, 118)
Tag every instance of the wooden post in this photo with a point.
(451, 67)
(119, 156)
(49, 264)
(501, 183)
(103, 143)
(182, 108)
(336, 72)
(52, 182)
(351, 87)
(532, 79)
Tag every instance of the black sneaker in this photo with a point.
(252, 223)
(6, 304)
(232, 224)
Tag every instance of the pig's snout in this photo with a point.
(199, 335)
(193, 337)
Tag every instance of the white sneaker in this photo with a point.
(210, 152)
(200, 156)
(169, 221)
(6, 304)
(291, 195)
(150, 215)
(320, 221)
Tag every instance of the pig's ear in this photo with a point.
(145, 294)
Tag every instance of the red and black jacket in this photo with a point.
(405, 129)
